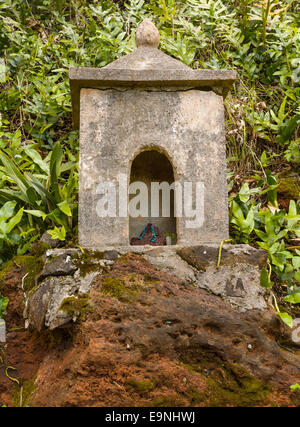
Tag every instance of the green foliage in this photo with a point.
(10, 236)
(295, 387)
(271, 229)
(41, 40)
(268, 227)
(286, 318)
(265, 280)
(46, 188)
(293, 298)
(57, 233)
(3, 304)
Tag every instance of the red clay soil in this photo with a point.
(22, 352)
(147, 339)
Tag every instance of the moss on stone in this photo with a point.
(117, 288)
(228, 385)
(39, 248)
(249, 392)
(88, 262)
(23, 392)
(75, 306)
(33, 266)
(140, 386)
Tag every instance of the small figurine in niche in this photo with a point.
(151, 235)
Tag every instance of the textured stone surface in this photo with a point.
(111, 255)
(64, 252)
(149, 101)
(62, 265)
(186, 126)
(146, 68)
(61, 288)
(166, 259)
(170, 344)
(201, 257)
(43, 303)
(147, 34)
(160, 342)
(36, 305)
(239, 285)
(237, 280)
(47, 239)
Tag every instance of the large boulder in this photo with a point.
(144, 335)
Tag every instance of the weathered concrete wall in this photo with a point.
(187, 126)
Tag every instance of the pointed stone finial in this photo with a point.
(147, 34)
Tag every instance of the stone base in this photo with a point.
(69, 273)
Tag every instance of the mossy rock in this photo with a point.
(75, 306)
(169, 401)
(33, 266)
(140, 386)
(39, 248)
(228, 385)
(88, 262)
(118, 288)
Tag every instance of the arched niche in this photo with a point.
(150, 166)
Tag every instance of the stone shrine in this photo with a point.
(151, 139)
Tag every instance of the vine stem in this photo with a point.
(220, 251)
(270, 271)
(275, 302)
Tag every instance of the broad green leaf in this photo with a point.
(11, 195)
(274, 248)
(286, 318)
(281, 114)
(43, 192)
(13, 171)
(279, 259)
(32, 196)
(244, 193)
(245, 224)
(66, 166)
(57, 216)
(293, 298)
(292, 209)
(36, 212)
(264, 279)
(35, 156)
(296, 262)
(3, 230)
(55, 164)
(15, 220)
(57, 233)
(7, 210)
(65, 208)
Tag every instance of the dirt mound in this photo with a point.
(145, 338)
